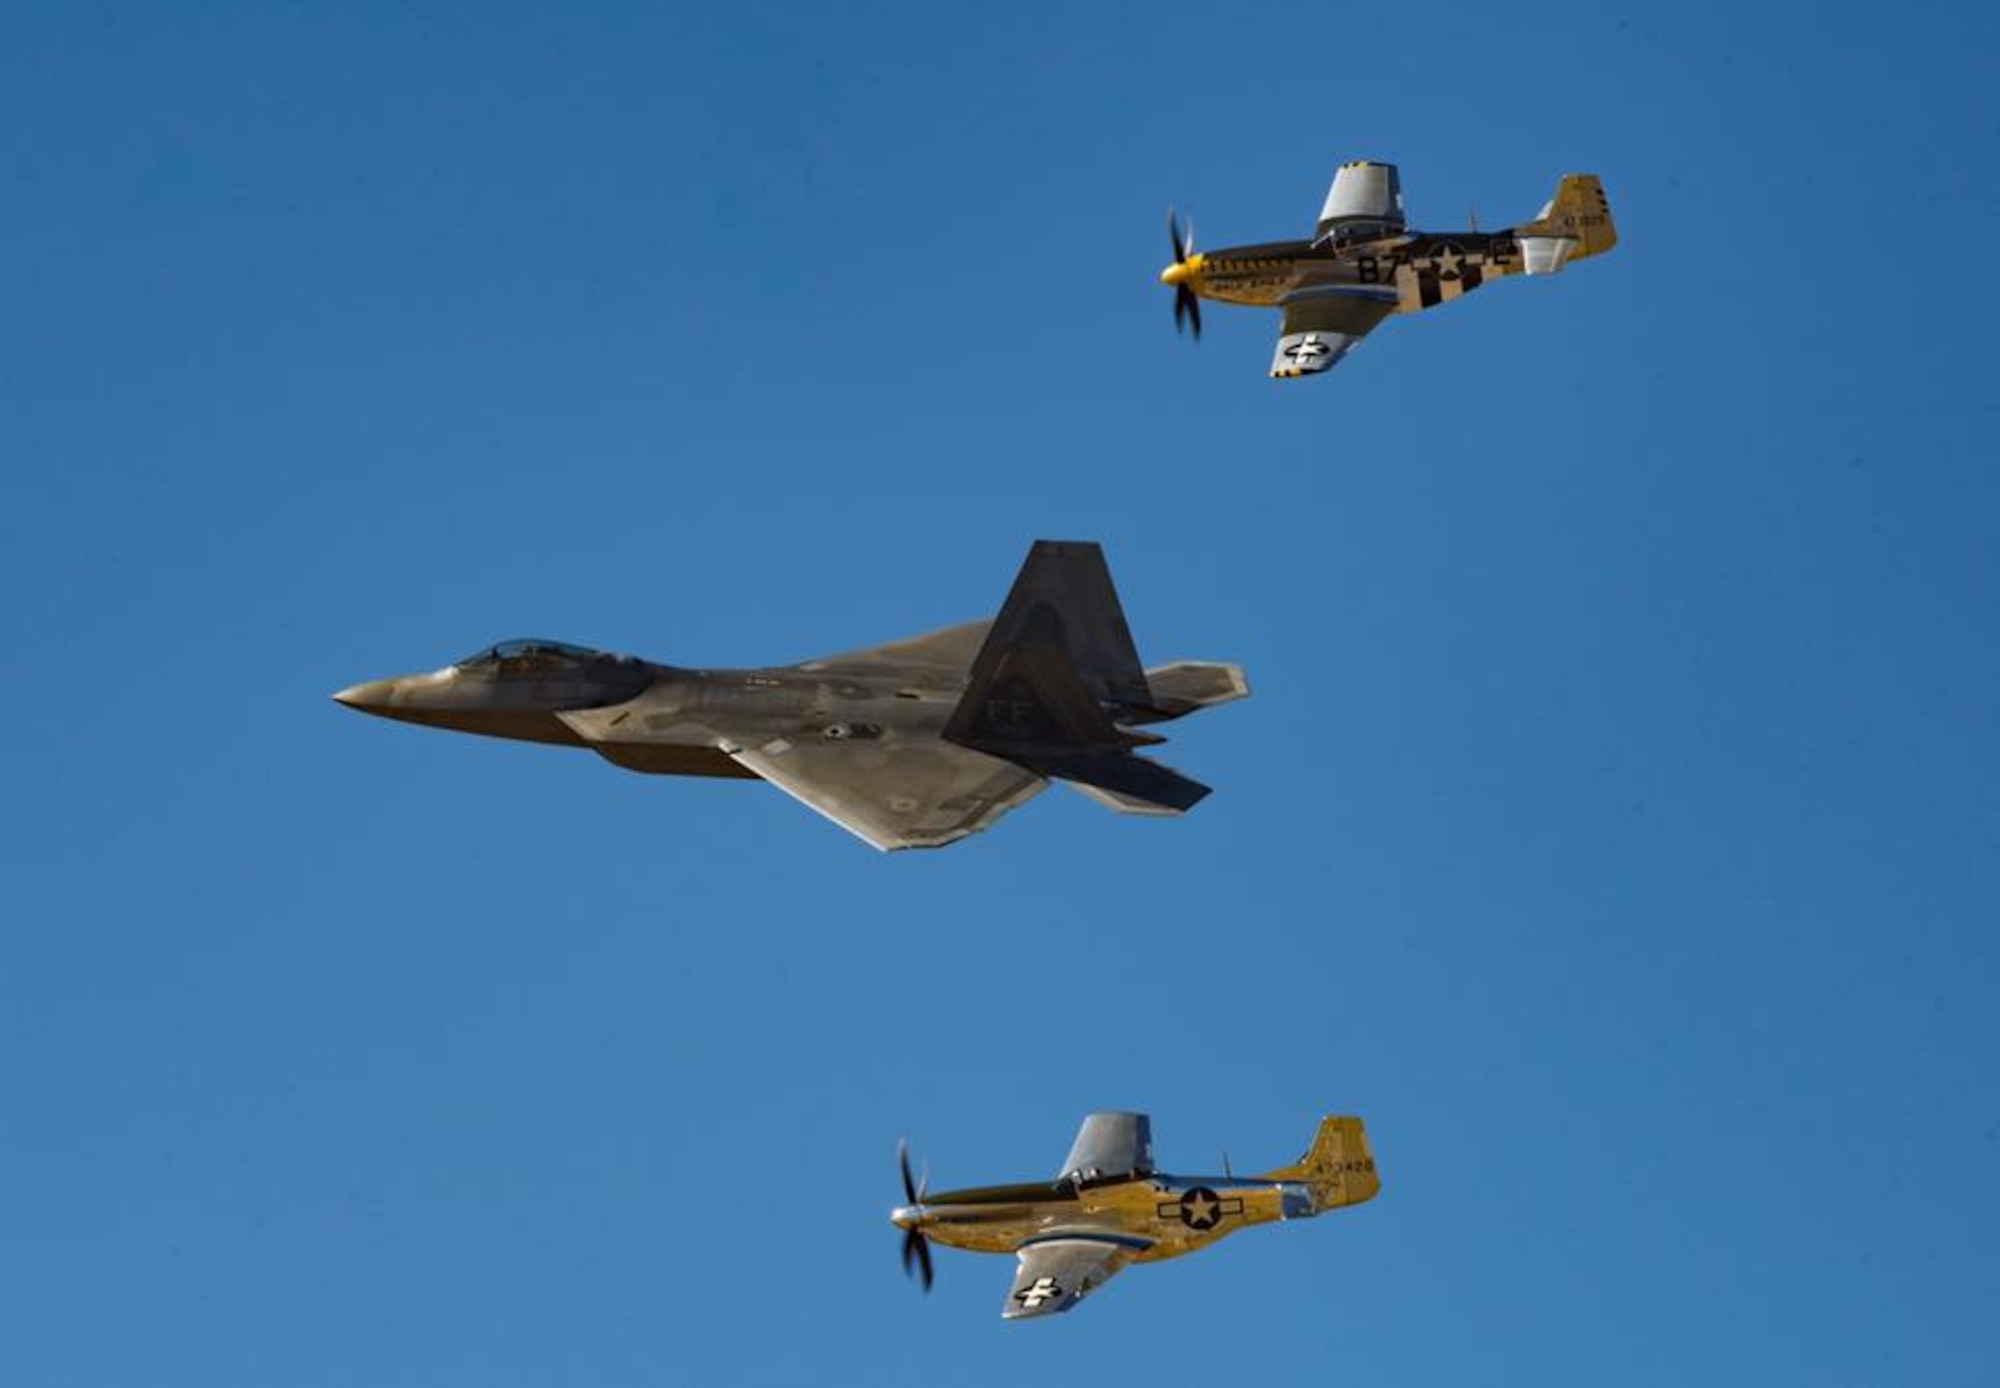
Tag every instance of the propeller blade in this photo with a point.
(1185, 298)
(917, 1249)
(1187, 304)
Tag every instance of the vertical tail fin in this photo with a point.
(1063, 599)
(1339, 1166)
(1574, 224)
(1057, 673)
(1057, 653)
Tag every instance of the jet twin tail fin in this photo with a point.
(1025, 698)
(1063, 600)
(1058, 654)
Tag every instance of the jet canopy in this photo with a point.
(527, 655)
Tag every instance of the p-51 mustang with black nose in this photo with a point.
(1363, 264)
(1110, 1209)
(914, 744)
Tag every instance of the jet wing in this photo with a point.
(1323, 323)
(894, 794)
(1058, 1271)
(951, 649)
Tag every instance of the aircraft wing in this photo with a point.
(1323, 323)
(895, 794)
(1060, 1270)
(950, 649)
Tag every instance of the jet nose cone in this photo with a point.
(906, 1217)
(370, 696)
(1176, 273)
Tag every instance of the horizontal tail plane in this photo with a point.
(1129, 784)
(1189, 685)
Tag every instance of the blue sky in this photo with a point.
(1614, 824)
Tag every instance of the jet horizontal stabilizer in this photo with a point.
(1187, 685)
(1128, 784)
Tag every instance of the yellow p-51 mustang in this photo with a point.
(1109, 1209)
(1363, 264)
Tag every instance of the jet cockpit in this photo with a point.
(534, 656)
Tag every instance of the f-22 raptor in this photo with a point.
(915, 744)
(1110, 1209)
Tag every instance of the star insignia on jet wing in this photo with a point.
(1309, 348)
(1200, 1209)
(1040, 1290)
(1447, 260)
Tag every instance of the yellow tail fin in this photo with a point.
(1340, 1166)
(1580, 212)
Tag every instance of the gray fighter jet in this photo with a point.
(915, 744)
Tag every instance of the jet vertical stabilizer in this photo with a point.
(1057, 667)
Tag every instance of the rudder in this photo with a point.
(1064, 599)
(1574, 225)
(1339, 1166)
(1058, 675)
(1055, 656)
